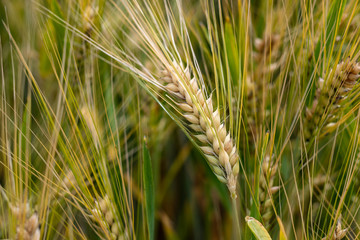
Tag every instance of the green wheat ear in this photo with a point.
(104, 214)
(330, 95)
(267, 189)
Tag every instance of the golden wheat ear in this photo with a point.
(215, 142)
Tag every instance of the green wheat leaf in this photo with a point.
(149, 191)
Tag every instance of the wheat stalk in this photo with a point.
(217, 144)
(329, 97)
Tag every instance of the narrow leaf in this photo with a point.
(257, 228)
(149, 191)
(231, 52)
(282, 234)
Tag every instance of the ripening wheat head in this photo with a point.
(329, 97)
(104, 214)
(214, 140)
(181, 88)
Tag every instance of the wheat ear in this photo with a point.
(266, 189)
(88, 19)
(104, 213)
(339, 232)
(28, 227)
(216, 143)
(267, 61)
(329, 97)
(266, 47)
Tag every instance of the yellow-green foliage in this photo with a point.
(179, 119)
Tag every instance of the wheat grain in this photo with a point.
(89, 16)
(216, 143)
(266, 47)
(28, 222)
(104, 213)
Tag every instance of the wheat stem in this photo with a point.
(237, 221)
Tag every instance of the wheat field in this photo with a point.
(179, 119)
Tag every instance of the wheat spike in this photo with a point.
(104, 212)
(329, 97)
(266, 189)
(216, 143)
(267, 46)
(339, 232)
(266, 56)
(28, 227)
